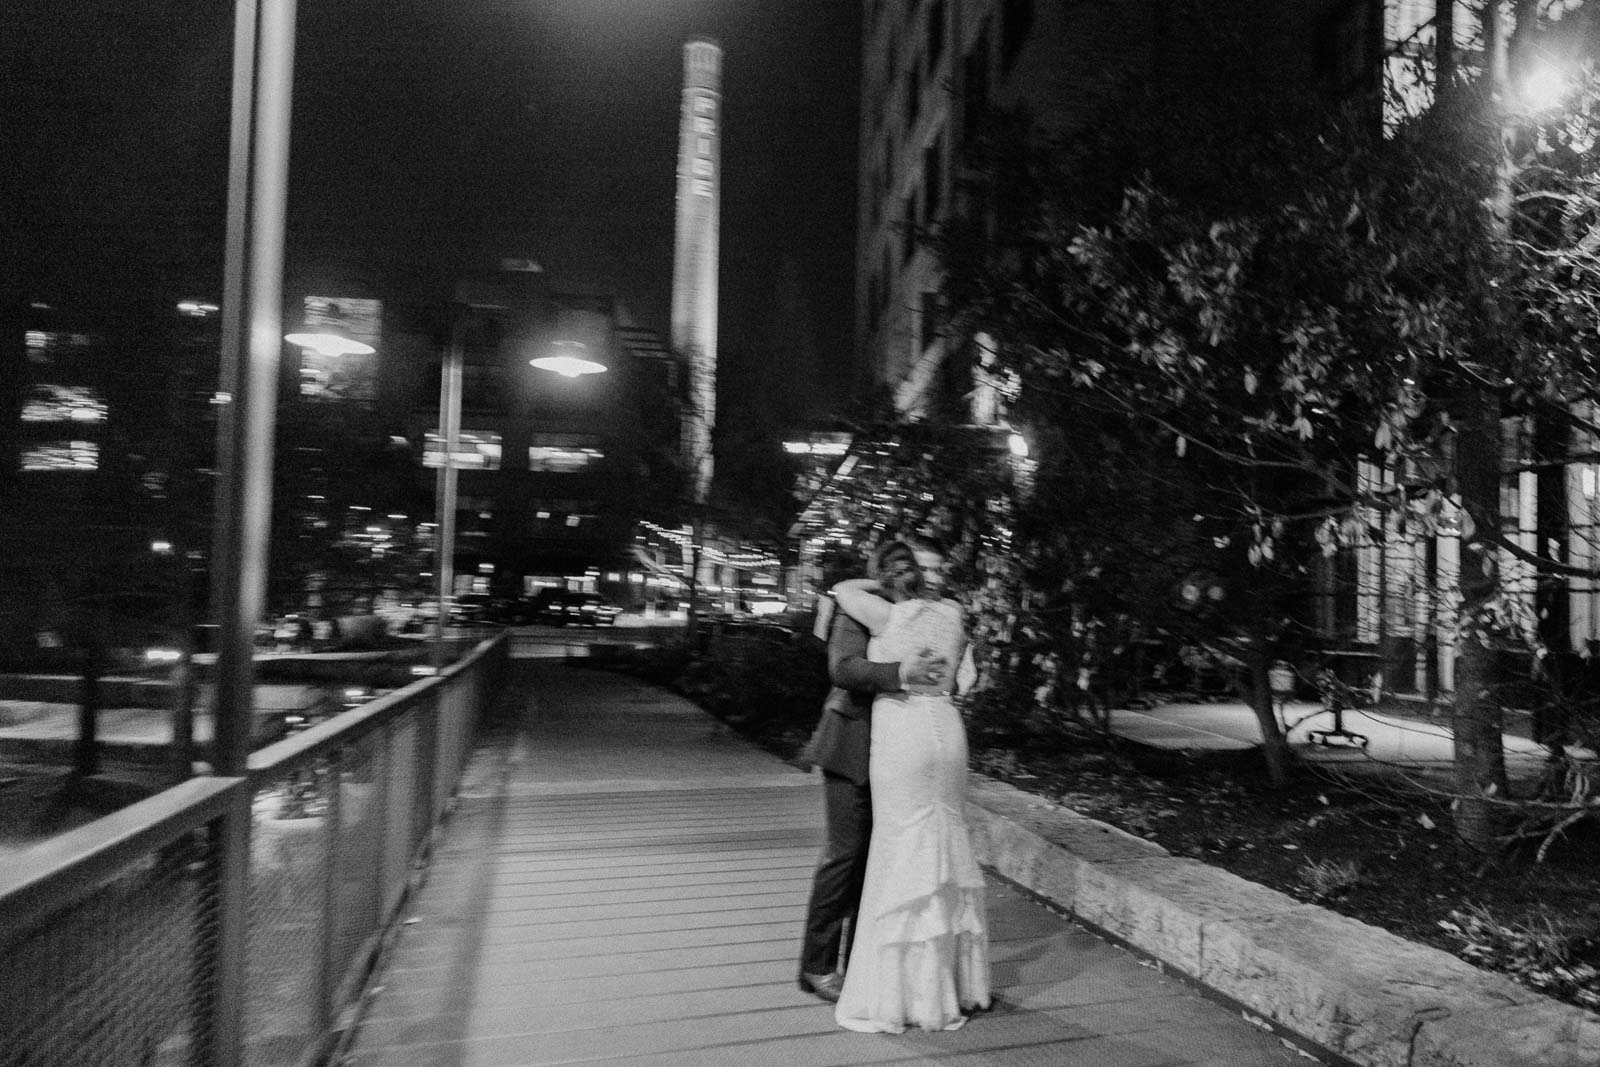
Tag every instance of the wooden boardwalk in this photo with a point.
(626, 886)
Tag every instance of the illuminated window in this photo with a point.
(1410, 53)
(62, 456)
(702, 167)
(63, 403)
(477, 450)
(563, 453)
(561, 460)
(44, 345)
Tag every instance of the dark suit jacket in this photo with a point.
(841, 742)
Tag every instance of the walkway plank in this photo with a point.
(655, 918)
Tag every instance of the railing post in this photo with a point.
(382, 791)
(327, 986)
(221, 1041)
(427, 760)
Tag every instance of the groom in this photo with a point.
(840, 747)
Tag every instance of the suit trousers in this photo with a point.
(836, 887)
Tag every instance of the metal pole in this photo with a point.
(253, 264)
(445, 490)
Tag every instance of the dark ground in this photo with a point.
(1383, 857)
(1378, 855)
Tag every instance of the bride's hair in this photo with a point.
(905, 548)
(884, 554)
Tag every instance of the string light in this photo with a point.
(742, 560)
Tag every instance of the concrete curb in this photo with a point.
(1335, 983)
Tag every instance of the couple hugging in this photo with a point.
(897, 893)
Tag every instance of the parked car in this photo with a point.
(511, 610)
(469, 609)
(574, 609)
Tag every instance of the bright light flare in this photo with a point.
(162, 655)
(571, 360)
(568, 366)
(1018, 445)
(330, 344)
(1545, 87)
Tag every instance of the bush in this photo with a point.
(1543, 952)
(770, 683)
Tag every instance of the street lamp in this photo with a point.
(570, 359)
(329, 339)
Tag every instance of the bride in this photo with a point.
(920, 955)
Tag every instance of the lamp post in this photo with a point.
(445, 483)
(258, 168)
(252, 283)
(570, 360)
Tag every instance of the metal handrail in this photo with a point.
(322, 738)
(418, 736)
(44, 877)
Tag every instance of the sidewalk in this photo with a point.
(1391, 745)
(624, 882)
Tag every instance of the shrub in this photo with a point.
(1327, 879)
(1542, 952)
(768, 681)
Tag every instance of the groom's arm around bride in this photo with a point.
(840, 747)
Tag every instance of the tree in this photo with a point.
(1322, 323)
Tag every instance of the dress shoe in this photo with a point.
(826, 986)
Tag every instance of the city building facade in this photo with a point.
(553, 472)
(933, 72)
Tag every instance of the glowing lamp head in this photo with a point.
(571, 360)
(329, 339)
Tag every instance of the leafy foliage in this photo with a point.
(1295, 332)
(1543, 952)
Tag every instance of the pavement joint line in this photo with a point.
(546, 908)
(709, 915)
(622, 786)
(805, 872)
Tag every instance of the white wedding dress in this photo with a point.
(920, 954)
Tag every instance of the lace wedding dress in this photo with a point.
(920, 954)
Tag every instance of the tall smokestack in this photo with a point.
(694, 261)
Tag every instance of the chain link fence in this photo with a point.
(236, 921)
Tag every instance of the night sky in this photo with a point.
(436, 136)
